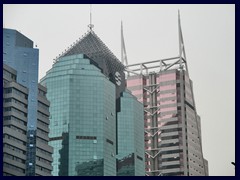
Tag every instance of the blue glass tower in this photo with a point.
(19, 54)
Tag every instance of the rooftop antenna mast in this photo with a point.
(123, 49)
(182, 54)
(90, 25)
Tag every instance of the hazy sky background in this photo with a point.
(151, 33)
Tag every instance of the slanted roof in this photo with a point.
(93, 47)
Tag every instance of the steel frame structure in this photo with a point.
(156, 66)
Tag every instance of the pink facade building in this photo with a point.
(173, 144)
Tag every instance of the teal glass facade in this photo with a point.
(83, 118)
(130, 133)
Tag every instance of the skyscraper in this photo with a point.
(83, 118)
(86, 87)
(173, 144)
(22, 61)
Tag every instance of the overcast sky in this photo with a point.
(151, 33)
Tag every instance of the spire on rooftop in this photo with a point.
(123, 49)
(182, 53)
(90, 25)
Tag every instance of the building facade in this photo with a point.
(173, 144)
(130, 156)
(43, 154)
(170, 116)
(19, 54)
(14, 124)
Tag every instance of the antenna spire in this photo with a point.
(123, 49)
(90, 25)
(182, 54)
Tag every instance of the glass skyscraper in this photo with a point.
(19, 55)
(85, 88)
(83, 118)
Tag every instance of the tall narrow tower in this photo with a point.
(32, 109)
(172, 126)
(123, 48)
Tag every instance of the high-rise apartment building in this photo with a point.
(173, 144)
(21, 61)
(14, 124)
(43, 154)
(86, 89)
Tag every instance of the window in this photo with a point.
(14, 149)
(42, 105)
(140, 158)
(42, 115)
(42, 93)
(42, 140)
(86, 137)
(13, 167)
(56, 138)
(109, 141)
(7, 109)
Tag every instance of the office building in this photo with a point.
(85, 88)
(173, 144)
(22, 61)
(83, 118)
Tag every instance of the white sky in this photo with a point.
(151, 33)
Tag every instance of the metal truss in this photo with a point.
(152, 135)
(156, 66)
(160, 174)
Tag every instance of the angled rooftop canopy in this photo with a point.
(90, 45)
(93, 47)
